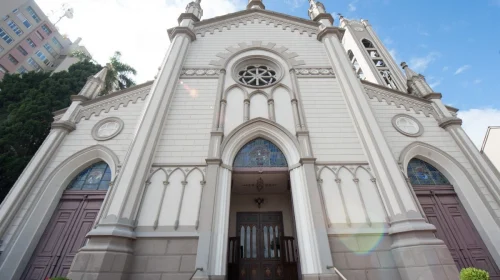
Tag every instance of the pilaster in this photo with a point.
(407, 226)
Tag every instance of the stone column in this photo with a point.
(412, 236)
(272, 116)
(112, 239)
(246, 110)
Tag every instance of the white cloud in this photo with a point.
(435, 83)
(419, 64)
(461, 69)
(445, 68)
(351, 7)
(478, 81)
(294, 3)
(135, 28)
(394, 54)
(388, 41)
(476, 122)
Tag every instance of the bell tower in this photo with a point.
(370, 58)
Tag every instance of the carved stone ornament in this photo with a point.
(107, 128)
(260, 184)
(113, 100)
(407, 125)
(256, 45)
(401, 99)
(200, 72)
(314, 72)
(359, 29)
(254, 18)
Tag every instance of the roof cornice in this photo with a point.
(300, 24)
(105, 98)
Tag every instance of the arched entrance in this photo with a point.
(73, 218)
(443, 209)
(262, 233)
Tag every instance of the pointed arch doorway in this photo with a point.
(73, 218)
(262, 237)
(443, 209)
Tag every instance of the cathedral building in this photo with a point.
(267, 147)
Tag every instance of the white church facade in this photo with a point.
(267, 147)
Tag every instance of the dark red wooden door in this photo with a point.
(261, 251)
(444, 210)
(64, 235)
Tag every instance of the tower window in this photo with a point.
(355, 64)
(386, 75)
(367, 43)
(379, 63)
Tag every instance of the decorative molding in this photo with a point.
(317, 72)
(114, 102)
(256, 45)
(339, 32)
(77, 97)
(172, 32)
(65, 125)
(255, 3)
(399, 99)
(445, 122)
(95, 129)
(267, 17)
(352, 168)
(433, 95)
(200, 73)
(395, 125)
(190, 16)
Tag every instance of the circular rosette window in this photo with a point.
(257, 73)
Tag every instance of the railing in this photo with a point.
(338, 272)
(192, 275)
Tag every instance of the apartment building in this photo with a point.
(30, 42)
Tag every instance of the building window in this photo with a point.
(46, 29)
(367, 43)
(355, 64)
(1, 49)
(22, 50)
(389, 81)
(24, 20)
(34, 64)
(422, 173)
(257, 75)
(50, 49)
(13, 59)
(260, 152)
(42, 57)
(39, 35)
(32, 44)
(33, 14)
(95, 177)
(14, 27)
(5, 36)
(22, 70)
(57, 43)
(2, 69)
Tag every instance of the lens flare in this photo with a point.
(192, 92)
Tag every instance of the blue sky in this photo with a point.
(455, 44)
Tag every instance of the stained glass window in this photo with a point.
(95, 177)
(260, 152)
(422, 173)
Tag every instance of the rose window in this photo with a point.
(257, 76)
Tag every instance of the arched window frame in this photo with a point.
(423, 173)
(260, 152)
(93, 178)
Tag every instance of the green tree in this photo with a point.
(26, 105)
(119, 75)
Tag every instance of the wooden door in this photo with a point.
(258, 250)
(444, 210)
(64, 235)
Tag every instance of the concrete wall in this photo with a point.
(491, 148)
(332, 132)
(163, 258)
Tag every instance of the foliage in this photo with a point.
(26, 105)
(82, 56)
(472, 273)
(118, 76)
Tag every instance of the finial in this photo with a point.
(255, 4)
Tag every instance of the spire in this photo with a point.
(317, 12)
(255, 4)
(95, 84)
(416, 82)
(194, 8)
